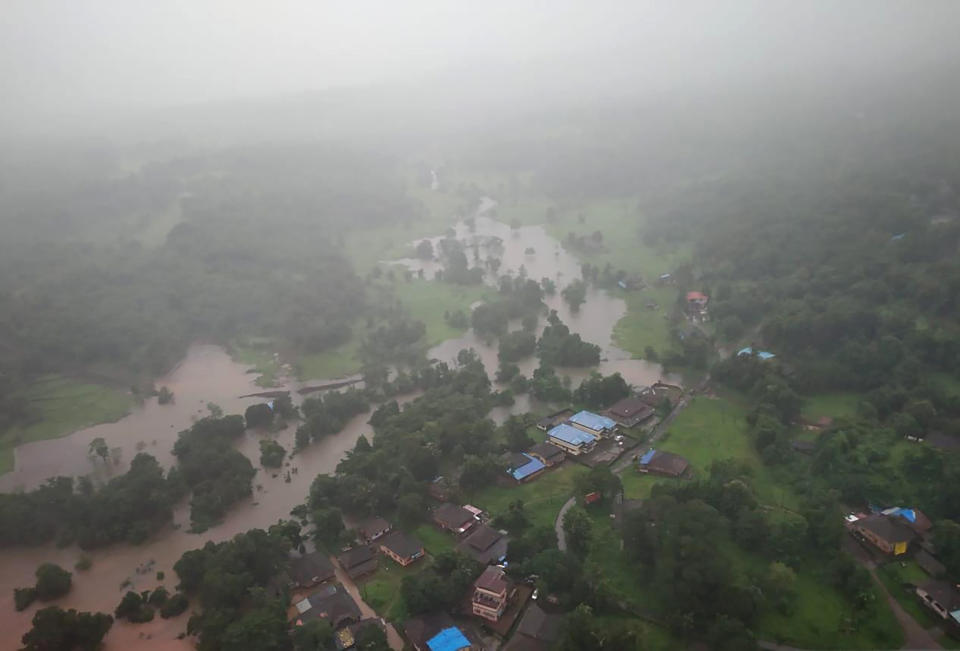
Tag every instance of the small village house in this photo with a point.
(402, 547)
(435, 631)
(453, 518)
(548, 453)
(697, 302)
(594, 424)
(943, 599)
(666, 464)
(331, 604)
(630, 412)
(571, 440)
(887, 533)
(373, 528)
(310, 570)
(523, 467)
(359, 561)
(485, 544)
(537, 631)
(491, 593)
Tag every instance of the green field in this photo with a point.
(334, 363)
(831, 405)
(434, 540)
(542, 497)
(821, 620)
(382, 590)
(428, 300)
(63, 406)
(258, 353)
(641, 326)
(710, 429)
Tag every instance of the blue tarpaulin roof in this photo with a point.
(749, 351)
(524, 471)
(449, 639)
(592, 421)
(570, 434)
(645, 459)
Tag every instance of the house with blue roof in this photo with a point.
(591, 423)
(449, 639)
(571, 440)
(523, 467)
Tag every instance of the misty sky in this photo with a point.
(59, 57)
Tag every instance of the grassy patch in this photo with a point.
(715, 428)
(336, 362)
(831, 405)
(641, 326)
(650, 636)
(821, 619)
(382, 590)
(434, 540)
(258, 353)
(63, 406)
(542, 497)
(427, 301)
(618, 571)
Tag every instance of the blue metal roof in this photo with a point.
(645, 459)
(592, 421)
(570, 434)
(449, 639)
(533, 465)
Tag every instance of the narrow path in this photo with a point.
(393, 638)
(915, 636)
(558, 524)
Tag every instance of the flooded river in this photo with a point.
(207, 374)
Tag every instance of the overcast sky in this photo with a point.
(72, 56)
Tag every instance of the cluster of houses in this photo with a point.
(899, 532)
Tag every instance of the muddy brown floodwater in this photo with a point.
(207, 374)
(531, 250)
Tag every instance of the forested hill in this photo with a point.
(123, 270)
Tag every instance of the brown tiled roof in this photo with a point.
(629, 407)
(943, 592)
(668, 463)
(547, 451)
(887, 528)
(356, 556)
(373, 525)
(929, 564)
(493, 579)
(540, 625)
(483, 537)
(402, 544)
(312, 568)
(451, 515)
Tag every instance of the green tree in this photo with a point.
(372, 638)
(315, 635)
(52, 581)
(578, 530)
(175, 605)
(98, 447)
(779, 586)
(258, 416)
(328, 526)
(575, 294)
(264, 629)
(55, 629)
(23, 597)
(271, 453)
